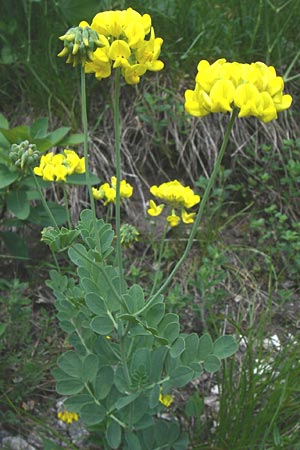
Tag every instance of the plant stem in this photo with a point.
(86, 155)
(158, 264)
(85, 141)
(44, 203)
(116, 108)
(200, 211)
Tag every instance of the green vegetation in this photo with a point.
(242, 275)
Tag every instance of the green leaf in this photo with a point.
(141, 358)
(190, 353)
(125, 401)
(69, 387)
(17, 134)
(154, 396)
(59, 374)
(56, 136)
(15, 244)
(137, 410)
(120, 381)
(39, 128)
(39, 216)
(42, 144)
(157, 363)
(114, 435)
(134, 299)
(212, 363)
(205, 347)
(59, 240)
(80, 179)
(3, 122)
(168, 318)
(90, 367)
(73, 139)
(145, 422)
(132, 441)
(95, 303)
(76, 402)
(75, 10)
(171, 331)
(102, 325)
(155, 314)
(18, 203)
(71, 363)
(7, 177)
(104, 382)
(181, 375)
(177, 348)
(182, 442)
(92, 414)
(224, 347)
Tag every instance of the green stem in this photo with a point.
(158, 264)
(86, 155)
(44, 203)
(85, 141)
(116, 108)
(199, 214)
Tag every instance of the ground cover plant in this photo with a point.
(231, 268)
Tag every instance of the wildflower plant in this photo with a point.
(127, 353)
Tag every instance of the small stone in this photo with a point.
(16, 443)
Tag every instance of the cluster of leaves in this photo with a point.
(125, 349)
(18, 192)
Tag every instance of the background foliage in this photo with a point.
(243, 276)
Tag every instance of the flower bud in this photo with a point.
(24, 155)
(79, 45)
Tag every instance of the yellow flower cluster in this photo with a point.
(56, 167)
(254, 89)
(122, 36)
(67, 416)
(178, 197)
(107, 192)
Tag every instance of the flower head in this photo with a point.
(254, 89)
(107, 192)
(166, 399)
(178, 197)
(79, 44)
(125, 43)
(24, 155)
(67, 416)
(56, 167)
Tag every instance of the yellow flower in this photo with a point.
(166, 400)
(178, 197)
(187, 217)
(108, 192)
(56, 167)
(73, 163)
(124, 42)
(155, 210)
(67, 416)
(253, 88)
(98, 194)
(173, 220)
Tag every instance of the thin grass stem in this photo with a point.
(199, 214)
